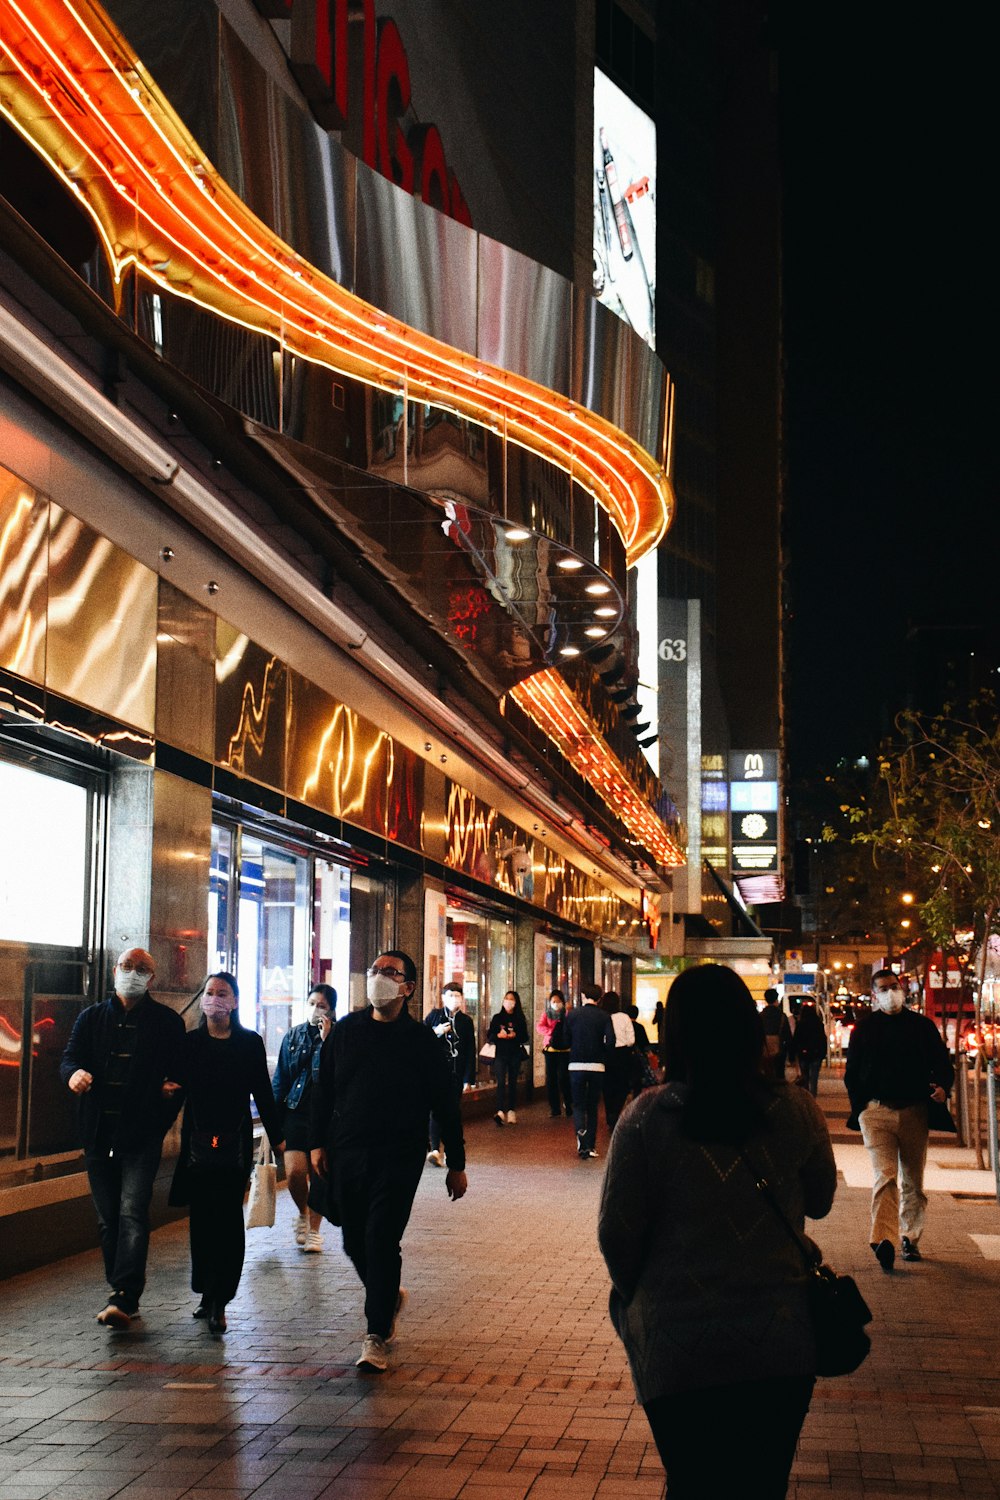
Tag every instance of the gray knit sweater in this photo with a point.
(708, 1285)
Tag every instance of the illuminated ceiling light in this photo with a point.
(570, 564)
(608, 612)
(66, 81)
(569, 651)
(596, 632)
(598, 588)
(517, 534)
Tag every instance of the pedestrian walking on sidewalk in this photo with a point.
(125, 1063)
(809, 1045)
(509, 1034)
(619, 1068)
(709, 1291)
(381, 1074)
(591, 1039)
(898, 1072)
(297, 1066)
(456, 1032)
(224, 1064)
(551, 1027)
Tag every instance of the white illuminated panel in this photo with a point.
(43, 874)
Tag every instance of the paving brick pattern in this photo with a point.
(507, 1380)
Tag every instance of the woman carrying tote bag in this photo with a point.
(224, 1066)
(710, 1292)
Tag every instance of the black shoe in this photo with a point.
(885, 1254)
(911, 1250)
(203, 1310)
(217, 1318)
(583, 1155)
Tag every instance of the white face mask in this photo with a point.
(889, 1001)
(381, 990)
(452, 1000)
(130, 984)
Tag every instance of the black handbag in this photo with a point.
(216, 1148)
(837, 1309)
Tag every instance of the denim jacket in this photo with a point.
(298, 1064)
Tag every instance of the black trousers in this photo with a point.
(121, 1186)
(434, 1128)
(505, 1071)
(618, 1080)
(376, 1190)
(586, 1089)
(761, 1421)
(215, 1226)
(557, 1082)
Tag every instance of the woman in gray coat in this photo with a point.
(709, 1291)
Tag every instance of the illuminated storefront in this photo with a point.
(308, 526)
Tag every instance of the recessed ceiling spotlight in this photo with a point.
(605, 611)
(598, 588)
(517, 534)
(570, 564)
(596, 632)
(569, 651)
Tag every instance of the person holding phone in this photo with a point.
(509, 1034)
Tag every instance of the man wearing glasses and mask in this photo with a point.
(898, 1068)
(381, 1074)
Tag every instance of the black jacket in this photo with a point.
(458, 1043)
(145, 1115)
(509, 1046)
(591, 1038)
(897, 1059)
(219, 1080)
(378, 1083)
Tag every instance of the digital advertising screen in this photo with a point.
(624, 207)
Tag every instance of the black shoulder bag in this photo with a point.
(838, 1311)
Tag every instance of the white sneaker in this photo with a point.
(374, 1355)
(436, 1158)
(300, 1226)
(401, 1302)
(312, 1244)
(511, 1117)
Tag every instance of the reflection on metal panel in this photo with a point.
(404, 796)
(102, 623)
(525, 313)
(415, 263)
(185, 673)
(260, 127)
(434, 815)
(487, 846)
(249, 708)
(337, 760)
(24, 519)
(597, 357)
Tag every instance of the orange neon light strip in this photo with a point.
(547, 700)
(73, 88)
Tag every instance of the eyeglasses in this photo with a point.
(396, 974)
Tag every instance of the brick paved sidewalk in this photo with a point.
(508, 1381)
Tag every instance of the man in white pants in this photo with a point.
(896, 1064)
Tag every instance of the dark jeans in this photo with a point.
(762, 1420)
(557, 1082)
(618, 1080)
(434, 1128)
(505, 1071)
(586, 1088)
(215, 1227)
(376, 1191)
(122, 1187)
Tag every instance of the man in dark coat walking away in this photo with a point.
(591, 1038)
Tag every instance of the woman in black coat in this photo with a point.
(509, 1033)
(224, 1065)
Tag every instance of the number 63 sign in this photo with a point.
(673, 650)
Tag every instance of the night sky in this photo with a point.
(890, 489)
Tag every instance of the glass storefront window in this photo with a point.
(480, 957)
(332, 930)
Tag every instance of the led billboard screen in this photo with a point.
(624, 207)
